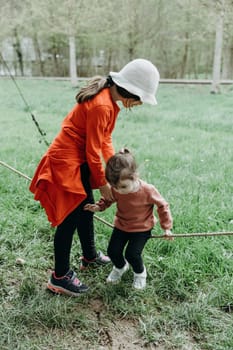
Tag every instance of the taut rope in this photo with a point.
(180, 235)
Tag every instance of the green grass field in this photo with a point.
(184, 147)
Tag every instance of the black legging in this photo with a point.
(82, 221)
(135, 242)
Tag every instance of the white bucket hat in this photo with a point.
(139, 77)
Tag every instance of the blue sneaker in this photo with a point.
(68, 284)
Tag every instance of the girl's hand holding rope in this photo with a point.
(92, 207)
(168, 235)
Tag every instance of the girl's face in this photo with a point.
(127, 102)
(126, 186)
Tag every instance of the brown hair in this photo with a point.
(97, 84)
(120, 166)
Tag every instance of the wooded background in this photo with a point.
(183, 38)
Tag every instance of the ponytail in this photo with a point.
(121, 166)
(95, 85)
(99, 83)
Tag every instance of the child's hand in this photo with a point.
(168, 235)
(106, 192)
(92, 207)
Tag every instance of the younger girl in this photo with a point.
(134, 217)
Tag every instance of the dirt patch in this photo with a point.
(124, 336)
(119, 334)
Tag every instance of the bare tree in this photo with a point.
(215, 88)
(12, 29)
(227, 64)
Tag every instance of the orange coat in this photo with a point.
(85, 136)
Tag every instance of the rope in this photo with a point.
(42, 133)
(203, 234)
(180, 235)
(14, 170)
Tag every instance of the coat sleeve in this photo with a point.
(107, 148)
(98, 138)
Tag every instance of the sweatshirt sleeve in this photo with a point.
(97, 140)
(163, 210)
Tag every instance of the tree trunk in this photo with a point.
(185, 57)
(215, 88)
(73, 67)
(38, 54)
(109, 60)
(18, 51)
(227, 70)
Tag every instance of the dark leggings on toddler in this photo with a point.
(82, 221)
(135, 242)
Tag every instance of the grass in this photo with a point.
(184, 147)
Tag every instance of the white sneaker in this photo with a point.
(139, 281)
(115, 275)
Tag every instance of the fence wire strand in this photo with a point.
(28, 108)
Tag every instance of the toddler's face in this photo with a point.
(125, 186)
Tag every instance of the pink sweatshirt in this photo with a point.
(135, 210)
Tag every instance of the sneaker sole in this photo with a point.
(59, 290)
(113, 282)
(141, 288)
(108, 280)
